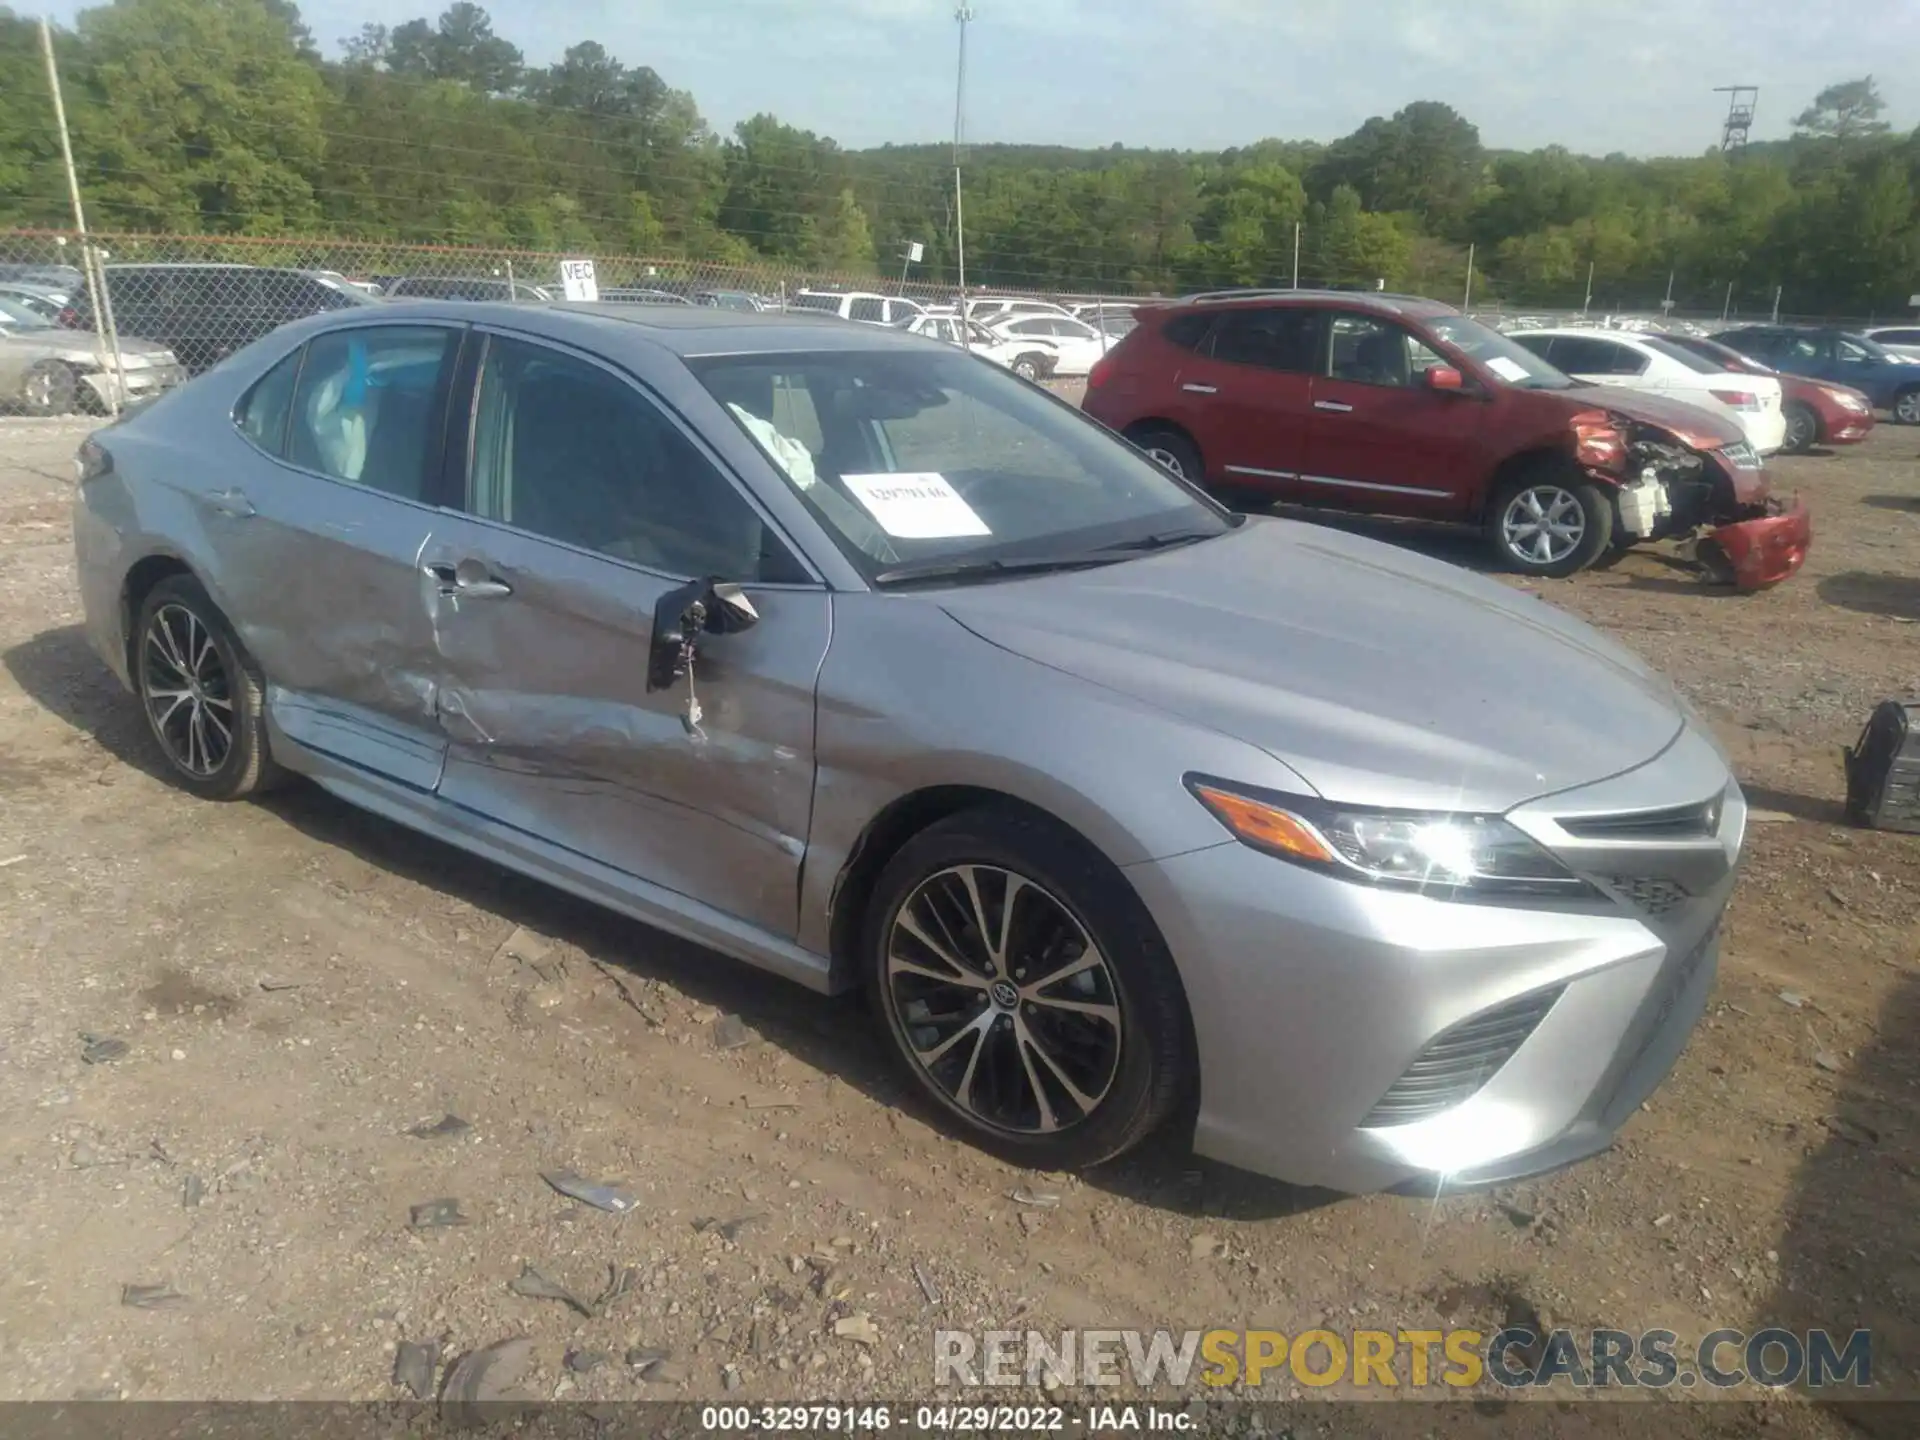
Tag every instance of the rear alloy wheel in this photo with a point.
(1025, 990)
(1906, 407)
(1550, 524)
(1803, 429)
(1027, 367)
(50, 388)
(1174, 451)
(201, 693)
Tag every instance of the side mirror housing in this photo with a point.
(1445, 378)
(684, 615)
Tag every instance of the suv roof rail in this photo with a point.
(1391, 299)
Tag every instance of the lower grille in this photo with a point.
(1461, 1060)
(1650, 893)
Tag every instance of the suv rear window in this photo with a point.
(1276, 339)
(1187, 331)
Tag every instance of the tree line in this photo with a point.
(223, 117)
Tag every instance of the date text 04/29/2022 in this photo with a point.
(947, 1419)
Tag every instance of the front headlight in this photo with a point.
(1846, 400)
(1449, 856)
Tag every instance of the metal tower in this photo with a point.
(1740, 106)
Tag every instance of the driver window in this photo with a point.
(1852, 354)
(1371, 352)
(568, 451)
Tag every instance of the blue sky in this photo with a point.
(1604, 75)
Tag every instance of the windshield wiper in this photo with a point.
(1163, 540)
(961, 568)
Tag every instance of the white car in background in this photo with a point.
(1655, 364)
(1026, 359)
(1901, 340)
(1075, 345)
(1116, 320)
(992, 309)
(865, 306)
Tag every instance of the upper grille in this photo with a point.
(1651, 893)
(1682, 822)
(1461, 1060)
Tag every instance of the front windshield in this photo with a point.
(15, 315)
(1507, 359)
(1873, 348)
(914, 459)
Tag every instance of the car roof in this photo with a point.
(688, 331)
(1584, 332)
(1381, 302)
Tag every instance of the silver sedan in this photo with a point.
(855, 658)
(48, 370)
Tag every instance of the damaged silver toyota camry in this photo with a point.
(858, 659)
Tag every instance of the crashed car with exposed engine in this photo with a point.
(1395, 405)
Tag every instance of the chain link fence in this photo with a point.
(170, 306)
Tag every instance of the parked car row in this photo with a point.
(1402, 406)
(1118, 806)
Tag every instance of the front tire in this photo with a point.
(201, 692)
(1550, 522)
(1028, 367)
(1172, 450)
(1025, 989)
(51, 388)
(1906, 406)
(1803, 430)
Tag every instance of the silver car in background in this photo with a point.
(853, 657)
(46, 369)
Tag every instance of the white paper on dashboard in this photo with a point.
(1507, 369)
(916, 506)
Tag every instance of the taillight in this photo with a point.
(1101, 372)
(68, 317)
(91, 461)
(1597, 441)
(1737, 399)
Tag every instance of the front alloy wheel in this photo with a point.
(1007, 1004)
(1906, 407)
(1026, 989)
(1543, 524)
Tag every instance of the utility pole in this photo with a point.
(1778, 291)
(1467, 304)
(105, 335)
(1296, 254)
(1726, 306)
(963, 13)
(1588, 302)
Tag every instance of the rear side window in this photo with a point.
(262, 412)
(1186, 331)
(1578, 355)
(1278, 339)
(367, 403)
(1699, 364)
(1898, 337)
(868, 308)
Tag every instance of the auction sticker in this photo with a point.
(916, 506)
(1507, 369)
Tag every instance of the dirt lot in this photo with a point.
(299, 985)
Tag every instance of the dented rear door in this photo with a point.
(587, 502)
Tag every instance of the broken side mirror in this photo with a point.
(683, 615)
(1445, 377)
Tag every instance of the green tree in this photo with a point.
(1850, 110)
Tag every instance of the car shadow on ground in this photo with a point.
(1800, 807)
(1843, 1264)
(1893, 595)
(59, 671)
(1908, 503)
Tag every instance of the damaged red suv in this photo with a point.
(1400, 406)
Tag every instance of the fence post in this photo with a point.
(107, 342)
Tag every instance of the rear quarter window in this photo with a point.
(263, 410)
(1186, 331)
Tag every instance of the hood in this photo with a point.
(1696, 425)
(1379, 676)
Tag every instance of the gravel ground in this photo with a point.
(299, 987)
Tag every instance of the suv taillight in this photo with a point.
(1597, 441)
(68, 317)
(1101, 372)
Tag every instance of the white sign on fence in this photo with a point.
(577, 280)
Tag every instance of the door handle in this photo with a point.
(1334, 405)
(1201, 389)
(468, 580)
(231, 503)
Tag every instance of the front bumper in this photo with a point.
(1766, 550)
(1315, 999)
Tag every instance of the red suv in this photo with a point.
(1402, 406)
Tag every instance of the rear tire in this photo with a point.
(1803, 429)
(1906, 406)
(202, 694)
(1052, 1073)
(1550, 521)
(1172, 450)
(1029, 367)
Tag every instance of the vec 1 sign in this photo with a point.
(577, 280)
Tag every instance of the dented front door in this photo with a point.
(586, 501)
(543, 698)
